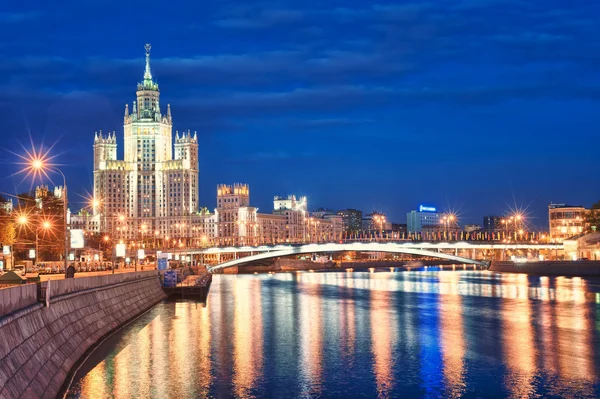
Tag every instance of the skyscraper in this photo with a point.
(150, 190)
(352, 220)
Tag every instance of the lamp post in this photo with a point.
(37, 164)
(23, 220)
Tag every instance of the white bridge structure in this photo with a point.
(442, 250)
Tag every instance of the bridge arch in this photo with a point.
(337, 247)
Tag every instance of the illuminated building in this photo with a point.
(295, 212)
(352, 219)
(426, 217)
(239, 223)
(44, 195)
(332, 223)
(152, 189)
(471, 228)
(236, 219)
(565, 220)
(6, 206)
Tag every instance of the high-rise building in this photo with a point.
(237, 222)
(493, 224)
(565, 220)
(295, 212)
(424, 218)
(151, 189)
(352, 220)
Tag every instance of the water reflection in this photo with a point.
(311, 339)
(519, 350)
(452, 334)
(383, 334)
(248, 336)
(416, 334)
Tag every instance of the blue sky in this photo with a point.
(477, 106)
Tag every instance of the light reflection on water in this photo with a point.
(408, 334)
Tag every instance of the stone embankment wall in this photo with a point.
(550, 268)
(39, 345)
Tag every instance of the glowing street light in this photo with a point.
(37, 164)
(40, 165)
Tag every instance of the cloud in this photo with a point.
(410, 54)
(260, 19)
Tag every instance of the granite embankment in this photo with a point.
(582, 268)
(40, 344)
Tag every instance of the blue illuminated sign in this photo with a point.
(423, 208)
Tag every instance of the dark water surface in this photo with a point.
(349, 335)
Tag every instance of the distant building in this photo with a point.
(376, 221)
(399, 228)
(6, 206)
(237, 222)
(565, 220)
(290, 203)
(295, 212)
(425, 217)
(352, 220)
(470, 228)
(493, 224)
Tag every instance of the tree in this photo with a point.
(592, 218)
(8, 233)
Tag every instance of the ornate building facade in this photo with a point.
(152, 189)
(150, 197)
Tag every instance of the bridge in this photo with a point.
(428, 249)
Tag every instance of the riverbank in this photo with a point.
(41, 344)
(589, 268)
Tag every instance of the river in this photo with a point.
(422, 334)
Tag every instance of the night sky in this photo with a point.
(475, 106)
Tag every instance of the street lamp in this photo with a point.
(37, 165)
(23, 221)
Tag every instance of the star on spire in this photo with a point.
(147, 73)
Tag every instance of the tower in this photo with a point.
(186, 150)
(149, 191)
(105, 151)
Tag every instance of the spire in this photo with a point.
(147, 73)
(169, 111)
(195, 136)
(134, 108)
(126, 110)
